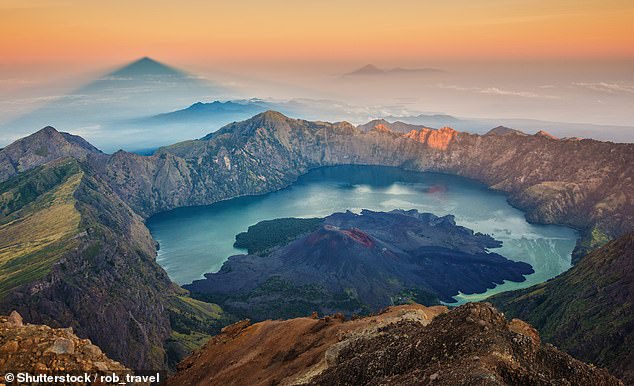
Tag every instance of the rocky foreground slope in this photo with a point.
(587, 311)
(406, 345)
(30, 348)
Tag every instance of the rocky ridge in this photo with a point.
(583, 184)
(404, 345)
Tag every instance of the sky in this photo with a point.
(306, 30)
(558, 60)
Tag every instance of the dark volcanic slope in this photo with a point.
(587, 311)
(407, 345)
(358, 264)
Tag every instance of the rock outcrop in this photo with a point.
(404, 345)
(41, 349)
(435, 139)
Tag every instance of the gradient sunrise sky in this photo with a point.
(554, 60)
(305, 30)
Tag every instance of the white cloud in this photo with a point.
(523, 94)
(611, 88)
(497, 91)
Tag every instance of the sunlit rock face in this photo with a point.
(436, 139)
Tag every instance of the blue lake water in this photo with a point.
(197, 240)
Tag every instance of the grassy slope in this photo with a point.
(37, 223)
(587, 311)
(193, 322)
(41, 214)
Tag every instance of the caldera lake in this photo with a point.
(197, 240)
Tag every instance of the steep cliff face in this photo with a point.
(587, 311)
(101, 278)
(583, 184)
(435, 139)
(405, 345)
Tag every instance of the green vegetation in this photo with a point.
(589, 241)
(38, 222)
(279, 298)
(193, 322)
(416, 296)
(265, 235)
(587, 311)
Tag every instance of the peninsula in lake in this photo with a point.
(354, 264)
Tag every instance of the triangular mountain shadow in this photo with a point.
(147, 66)
(105, 106)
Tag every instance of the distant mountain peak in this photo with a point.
(368, 69)
(146, 66)
(272, 115)
(371, 69)
(503, 130)
(46, 130)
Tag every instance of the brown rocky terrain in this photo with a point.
(41, 349)
(435, 139)
(405, 345)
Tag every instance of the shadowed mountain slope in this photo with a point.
(587, 311)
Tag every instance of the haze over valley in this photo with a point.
(152, 104)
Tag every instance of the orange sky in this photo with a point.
(405, 31)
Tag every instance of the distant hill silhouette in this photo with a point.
(371, 69)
